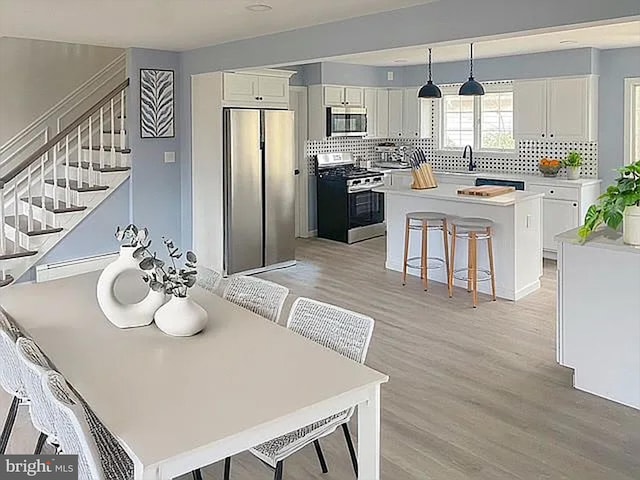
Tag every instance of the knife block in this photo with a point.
(423, 177)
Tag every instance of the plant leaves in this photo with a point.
(190, 282)
(138, 253)
(147, 264)
(158, 263)
(156, 286)
(191, 257)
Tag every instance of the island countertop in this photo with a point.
(450, 192)
(605, 238)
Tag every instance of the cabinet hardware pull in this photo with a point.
(551, 135)
(551, 192)
(543, 134)
(575, 204)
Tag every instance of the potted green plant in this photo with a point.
(572, 163)
(620, 204)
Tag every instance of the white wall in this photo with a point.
(36, 74)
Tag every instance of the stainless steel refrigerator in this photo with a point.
(259, 189)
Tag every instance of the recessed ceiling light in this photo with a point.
(401, 60)
(259, 7)
(568, 42)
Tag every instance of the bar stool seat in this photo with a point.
(472, 229)
(425, 222)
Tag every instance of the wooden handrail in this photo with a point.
(14, 172)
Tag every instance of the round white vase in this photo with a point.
(631, 226)
(181, 317)
(126, 315)
(573, 173)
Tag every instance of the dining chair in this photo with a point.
(260, 296)
(343, 331)
(34, 365)
(10, 376)
(208, 279)
(80, 432)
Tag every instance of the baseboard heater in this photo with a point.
(53, 271)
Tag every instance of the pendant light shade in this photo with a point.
(430, 90)
(471, 87)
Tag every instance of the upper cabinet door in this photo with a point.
(371, 103)
(382, 113)
(411, 113)
(334, 96)
(240, 87)
(273, 89)
(354, 96)
(396, 102)
(568, 109)
(530, 109)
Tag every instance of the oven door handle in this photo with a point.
(364, 188)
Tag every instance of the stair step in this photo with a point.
(107, 148)
(73, 185)
(97, 168)
(19, 253)
(8, 280)
(23, 226)
(49, 206)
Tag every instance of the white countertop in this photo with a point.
(532, 179)
(605, 238)
(450, 192)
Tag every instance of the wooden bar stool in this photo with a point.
(425, 222)
(472, 229)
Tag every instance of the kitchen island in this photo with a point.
(517, 233)
(598, 330)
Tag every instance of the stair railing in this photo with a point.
(24, 186)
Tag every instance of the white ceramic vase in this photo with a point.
(573, 173)
(631, 226)
(126, 315)
(181, 317)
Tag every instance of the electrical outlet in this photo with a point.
(390, 76)
(169, 157)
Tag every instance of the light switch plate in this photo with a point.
(390, 76)
(169, 157)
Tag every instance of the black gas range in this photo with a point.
(348, 208)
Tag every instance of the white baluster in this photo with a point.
(43, 160)
(123, 142)
(79, 171)
(101, 137)
(15, 209)
(90, 153)
(29, 202)
(55, 176)
(3, 245)
(67, 191)
(112, 161)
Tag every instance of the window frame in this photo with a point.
(506, 87)
(631, 104)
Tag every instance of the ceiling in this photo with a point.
(603, 37)
(173, 24)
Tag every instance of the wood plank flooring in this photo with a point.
(474, 394)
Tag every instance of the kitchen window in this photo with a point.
(632, 120)
(485, 122)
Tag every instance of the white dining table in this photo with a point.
(177, 404)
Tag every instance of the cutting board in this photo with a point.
(485, 191)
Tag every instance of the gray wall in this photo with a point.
(155, 185)
(615, 66)
(36, 75)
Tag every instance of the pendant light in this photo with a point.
(430, 90)
(471, 87)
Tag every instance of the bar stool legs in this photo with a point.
(453, 259)
(407, 230)
(491, 266)
(424, 260)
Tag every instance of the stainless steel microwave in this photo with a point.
(346, 122)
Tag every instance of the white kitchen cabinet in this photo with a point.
(254, 89)
(556, 109)
(337, 96)
(558, 216)
(382, 113)
(411, 113)
(396, 102)
(530, 109)
(371, 104)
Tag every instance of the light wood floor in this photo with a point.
(474, 394)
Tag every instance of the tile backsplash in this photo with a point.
(525, 162)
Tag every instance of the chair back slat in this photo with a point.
(260, 296)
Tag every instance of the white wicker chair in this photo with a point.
(34, 365)
(208, 279)
(100, 456)
(10, 375)
(260, 296)
(349, 334)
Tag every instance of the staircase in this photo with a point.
(51, 191)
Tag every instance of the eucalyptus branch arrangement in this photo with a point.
(174, 279)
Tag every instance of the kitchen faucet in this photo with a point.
(472, 164)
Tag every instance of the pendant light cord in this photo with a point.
(429, 65)
(472, 60)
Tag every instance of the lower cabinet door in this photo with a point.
(558, 216)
